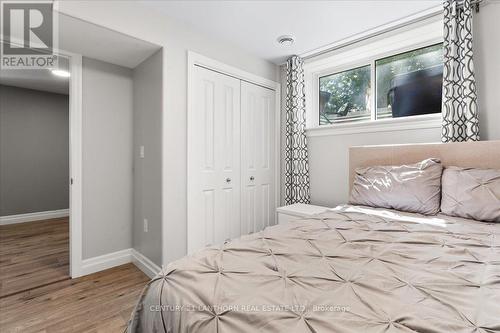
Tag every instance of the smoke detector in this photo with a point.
(286, 40)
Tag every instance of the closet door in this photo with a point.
(213, 159)
(258, 202)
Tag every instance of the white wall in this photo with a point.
(107, 157)
(487, 66)
(328, 155)
(147, 126)
(176, 38)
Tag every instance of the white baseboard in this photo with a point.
(122, 257)
(145, 264)
(30, 217)
(110, 260)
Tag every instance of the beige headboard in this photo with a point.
(481, 154)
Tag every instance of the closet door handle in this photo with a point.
(252, 178)
(228, 180)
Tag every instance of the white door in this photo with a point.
(213, 159)
(258, 204)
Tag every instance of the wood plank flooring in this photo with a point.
(37, 295)
(33, 254)
(100, 302)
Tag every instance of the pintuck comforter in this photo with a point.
(352, 269)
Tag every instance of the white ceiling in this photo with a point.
(255, 25)
(252, 25)
(89, 40)
(37, 79)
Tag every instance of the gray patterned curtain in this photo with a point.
(460, 119)
(296, 163)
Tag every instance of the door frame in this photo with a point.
(75, 159)
(196, 59)
(75, 164)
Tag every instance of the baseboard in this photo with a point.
(122, 257)
(30, 217)
(110, 260)
(145, 264)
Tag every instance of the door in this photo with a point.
(258, 202)
(213, 159)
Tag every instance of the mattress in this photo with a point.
(351, 269)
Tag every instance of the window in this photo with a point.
(406, 84)
(345, 96)
(410, 83)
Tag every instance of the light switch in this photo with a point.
(141, 152)
(146, 226)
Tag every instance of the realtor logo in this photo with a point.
(28, 35)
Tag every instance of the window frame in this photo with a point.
(365, 53)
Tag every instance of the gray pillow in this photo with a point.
(471, 193)
(412, 188)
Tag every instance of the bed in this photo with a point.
(351, 269)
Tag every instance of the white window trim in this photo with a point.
(412, 37)
(381, 125)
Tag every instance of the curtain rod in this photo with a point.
(473, 3)
(414, 18)
(421, 16)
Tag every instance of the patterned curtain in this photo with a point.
(460, 119)
(296, 163)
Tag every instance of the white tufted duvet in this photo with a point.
(353, 269)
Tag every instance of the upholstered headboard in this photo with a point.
(481, 154)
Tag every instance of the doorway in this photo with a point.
(35, 169)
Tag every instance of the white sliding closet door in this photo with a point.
(258, 116)
(214, 171)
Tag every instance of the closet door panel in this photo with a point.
(258, 151)
(214, 160)
(248, 160)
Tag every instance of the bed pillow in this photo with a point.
(414, 188)
(471, 193)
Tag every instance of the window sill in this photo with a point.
(373, 126)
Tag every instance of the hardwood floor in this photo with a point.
(100, 302)
(33, 254)
(37, 294)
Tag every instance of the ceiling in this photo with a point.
(98, 43)
(255, 25)
(37, 79)
(252, 25)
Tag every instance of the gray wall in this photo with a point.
(107, 158)
(148, 89)
(34, 151)
(177, 39)
(328, 155)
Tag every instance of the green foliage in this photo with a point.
(350, 90)
(350, 87)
